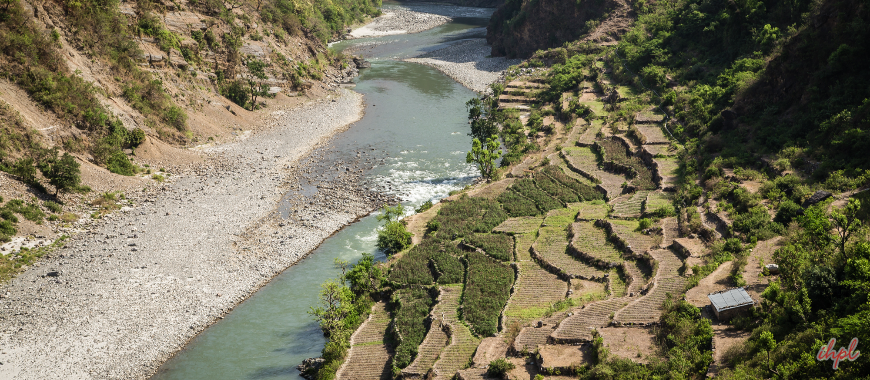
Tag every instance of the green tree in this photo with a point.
(365, 278)
(256, 80)
(64, 174)
(846, 223)
(484, 156)
(393, 236)
(767, 343)
(482, 127)
(336, 305)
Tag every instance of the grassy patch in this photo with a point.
(12, 264)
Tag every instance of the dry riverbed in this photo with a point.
(119, 299)
(468, 62)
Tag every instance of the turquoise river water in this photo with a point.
(416, 116)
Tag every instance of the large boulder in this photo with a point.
(819, 196)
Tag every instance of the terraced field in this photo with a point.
(636, 275)
(436, 339)
(648, 309)
(369, 357)
(462, 342)
(667, 168)
(591, 210)
(590, 241)
(658, 150)
(578, 327)
(520, 225)
(629, 205)
(571, 173)
(562, 217)
(551, 247)
(618, 283)
(534, 291)
(626, 231)
(531, 337)
(651, 134)
(657, 201)
(583, 160)
(522, 245)
(587, 138)
(669, 262)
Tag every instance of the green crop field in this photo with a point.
(517, 205)
(499, 246)
(411, 309)
(487, 289)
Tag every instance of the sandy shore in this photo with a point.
(467, 62)
(128, 294)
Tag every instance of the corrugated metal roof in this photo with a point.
(730, 299)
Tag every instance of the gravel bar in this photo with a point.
(123, 296)
(399, 21)
(467, 62)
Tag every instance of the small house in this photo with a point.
(729, 303)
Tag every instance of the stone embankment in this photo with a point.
(120, 298)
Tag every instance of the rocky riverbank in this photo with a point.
(468, 62)
(118, 300)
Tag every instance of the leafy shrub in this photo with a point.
(499, 246)
(393, 237)
(53, 207)
(644, 224)
(787, 211)
(517, 205)
(544, 201)
(411, 309)
(423, 207)
(118, 163)
(7, 231)
(756, 224)
(499, 367)
(7, 214)
(433, 225)
(30, 211)
(487, 289)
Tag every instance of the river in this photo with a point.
(416, 123)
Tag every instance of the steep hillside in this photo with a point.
(519, 28)
(113, 75)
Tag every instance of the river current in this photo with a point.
(415, 121)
